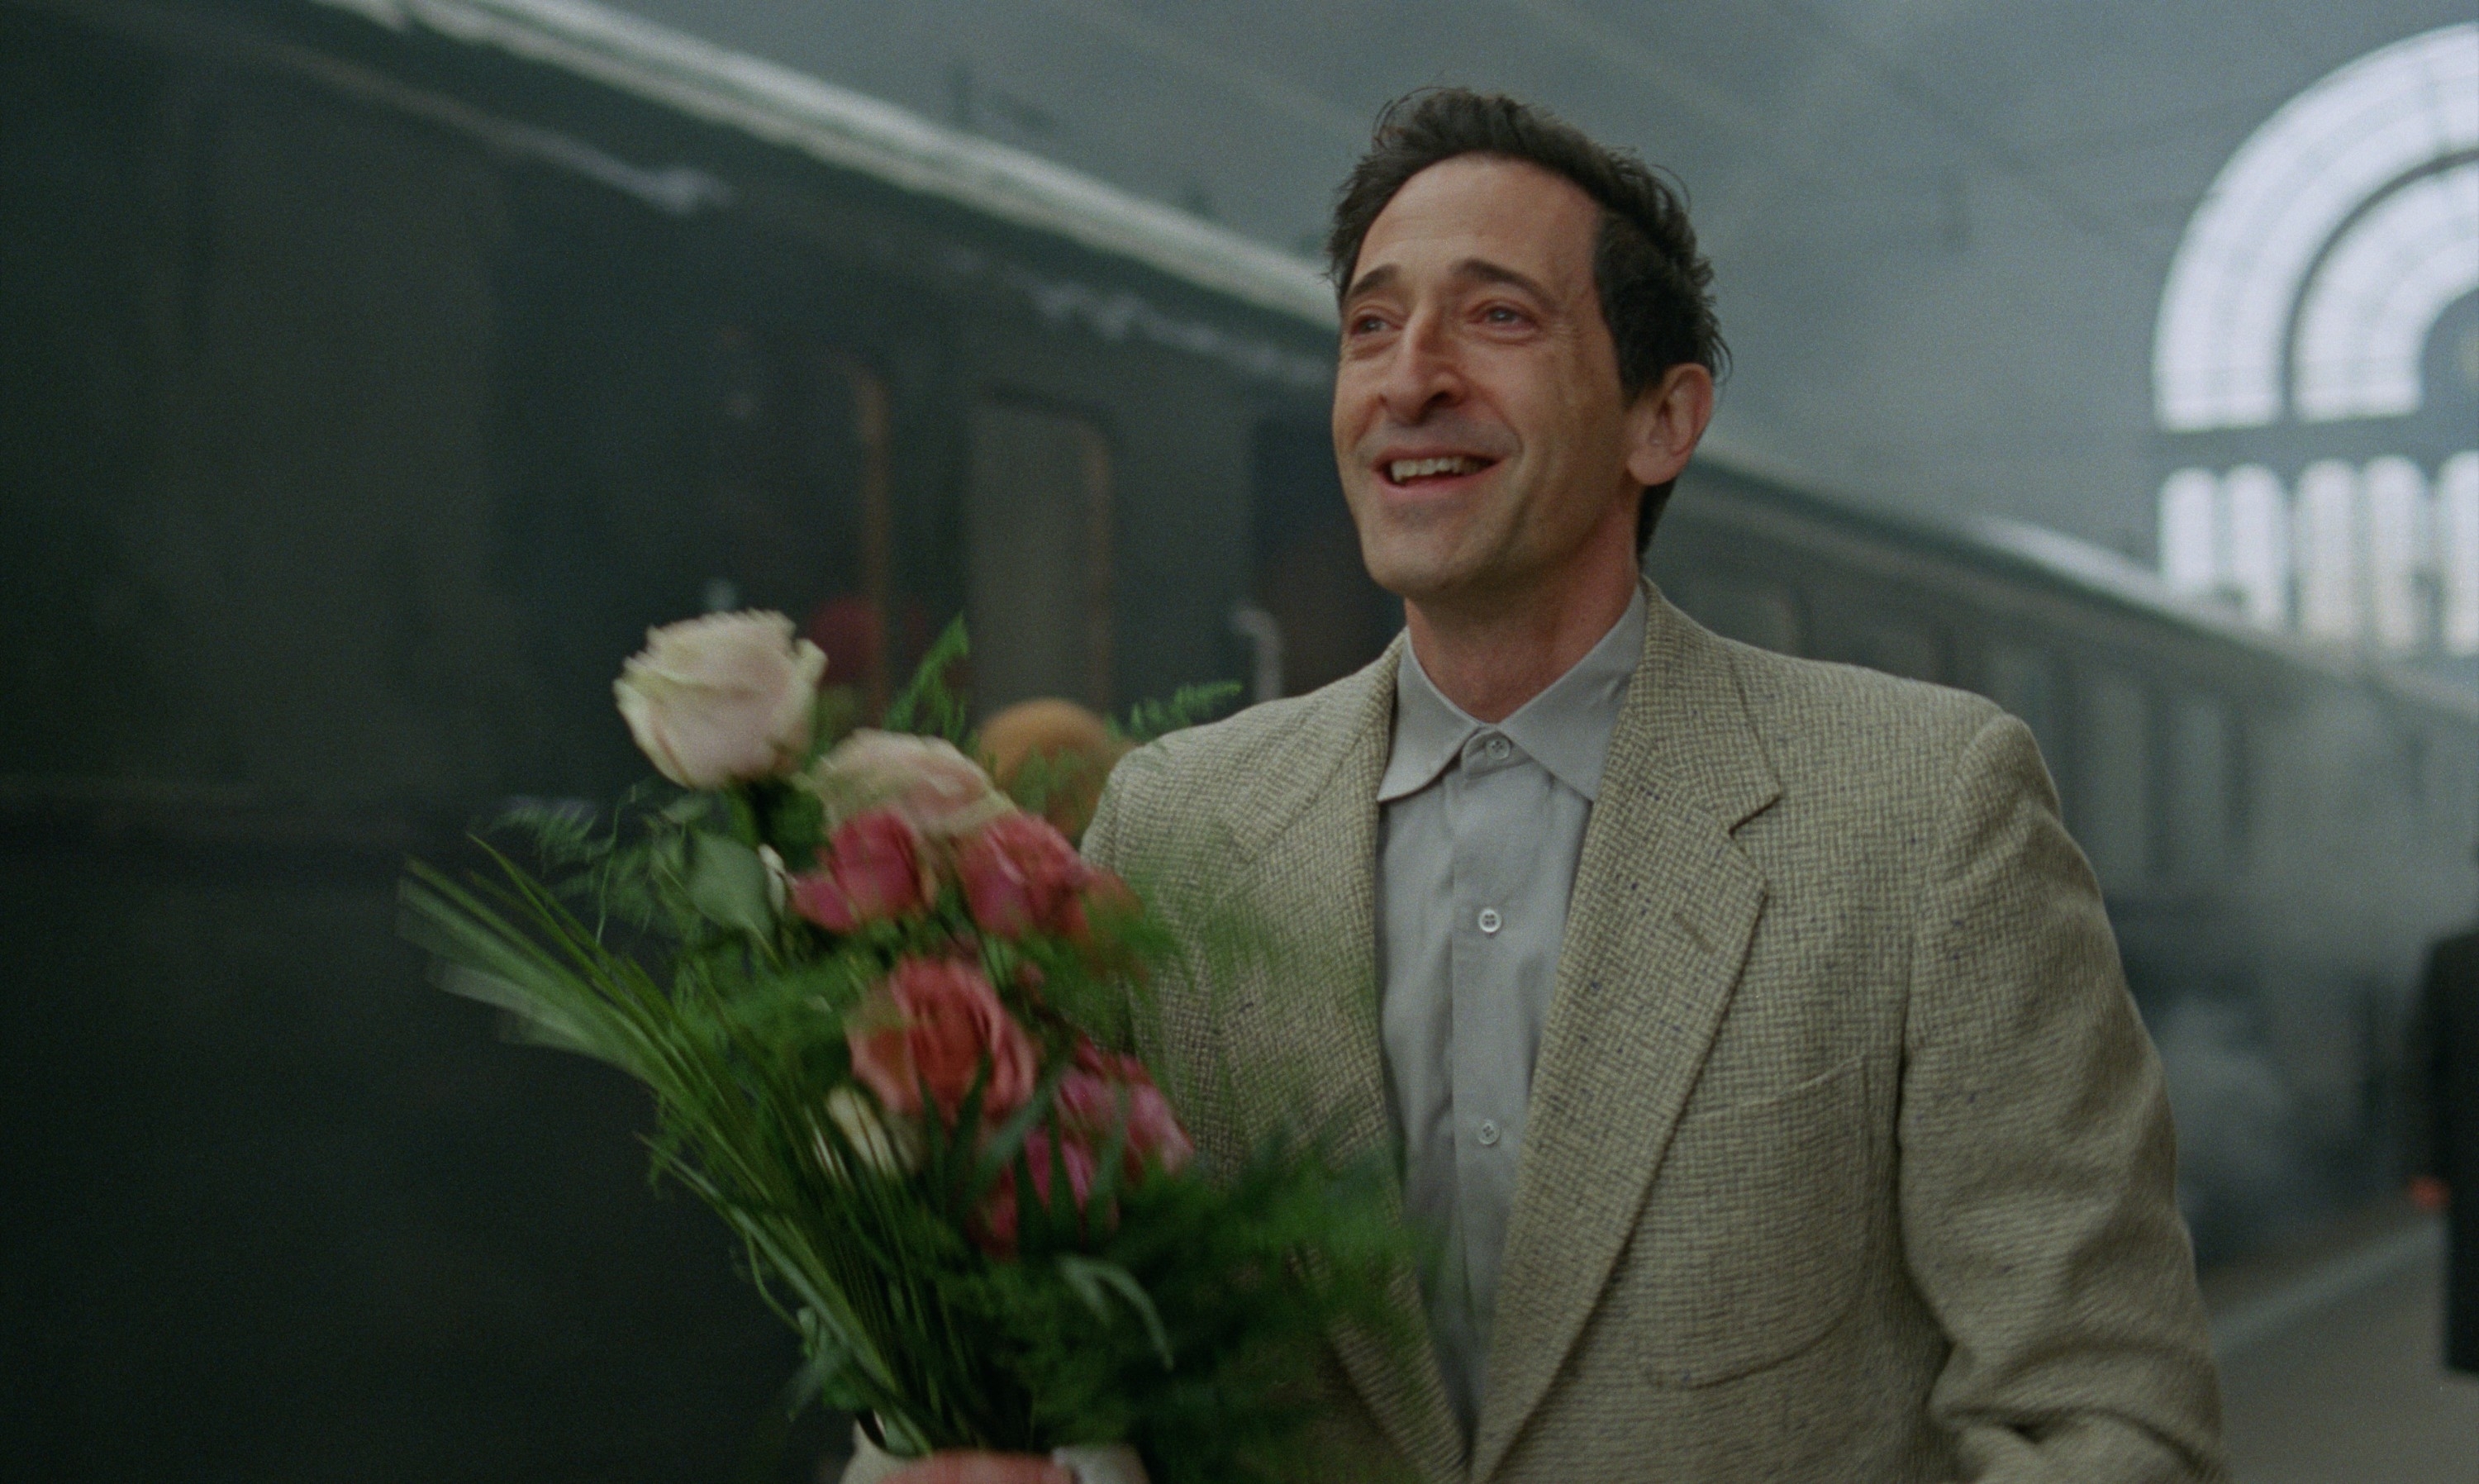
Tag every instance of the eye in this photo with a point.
(1365, 324)
(1505, 315)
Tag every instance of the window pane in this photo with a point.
(2021, 678)
(2199, 799)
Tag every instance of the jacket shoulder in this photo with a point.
(1855, 749)
(1201, 757)
(1850, 712)
(1200, 777)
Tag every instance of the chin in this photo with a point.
(1416, 581)
(1424, 567)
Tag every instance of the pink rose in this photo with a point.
(938, 1022)
(1105, 1088)
(997, 1223)
(873, 868)
(1020, 875)
(722, 698)
(939, 790)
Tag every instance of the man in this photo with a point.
(2444, 1085)
(1749, 1029)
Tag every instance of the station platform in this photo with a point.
(2331, 1356)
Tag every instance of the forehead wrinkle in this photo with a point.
(1483, 270)
(1469, 271)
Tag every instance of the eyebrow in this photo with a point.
(1480, 269)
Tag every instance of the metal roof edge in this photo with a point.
(854, 132)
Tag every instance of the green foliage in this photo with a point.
(836, 713)
(927, 705)
(1188, 707)
(1042, 777)
(727, 885)
(1177, 1312)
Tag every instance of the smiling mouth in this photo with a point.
(1418, 471)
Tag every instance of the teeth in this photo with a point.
(1402, 470)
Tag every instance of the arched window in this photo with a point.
(2365, 317)
(2365, 131)
(2304, 294)
(2328, 550)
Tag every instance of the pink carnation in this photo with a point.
(938, 1022)
(1020, 875)
(871, 869)
(997, 1224)
(1106, 1088)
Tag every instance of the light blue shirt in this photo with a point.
(1479, 830)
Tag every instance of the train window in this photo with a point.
(1037, 568)
(2113, 777)
(2198, 817)
(796, 516)
(2021, 680)
(1748, 609)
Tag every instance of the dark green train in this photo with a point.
(377, 370)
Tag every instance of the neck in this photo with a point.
(1490, 657)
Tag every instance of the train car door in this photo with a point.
(1037, 559)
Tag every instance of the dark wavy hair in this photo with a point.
(1656, 290)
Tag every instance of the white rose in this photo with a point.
(723, 698)
(939, 790)
(891, 1148)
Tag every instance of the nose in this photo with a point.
(1422, 374)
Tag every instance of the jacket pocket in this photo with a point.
(1753, 1236)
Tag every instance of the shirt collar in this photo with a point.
(1566, 728)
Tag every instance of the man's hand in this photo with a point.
(2429, 1194)
(983, 1468)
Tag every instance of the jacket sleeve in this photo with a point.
(2039, 1171)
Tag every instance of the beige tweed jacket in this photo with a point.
(1849, 1158)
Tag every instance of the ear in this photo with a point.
(1665, 422)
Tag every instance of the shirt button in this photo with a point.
(1497, 749)
(1488, 1132)
(1489, 921)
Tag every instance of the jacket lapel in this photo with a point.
(1307, 849)
(1664, 907)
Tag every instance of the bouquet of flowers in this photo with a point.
(884, 1013)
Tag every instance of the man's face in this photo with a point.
(1478, 422)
